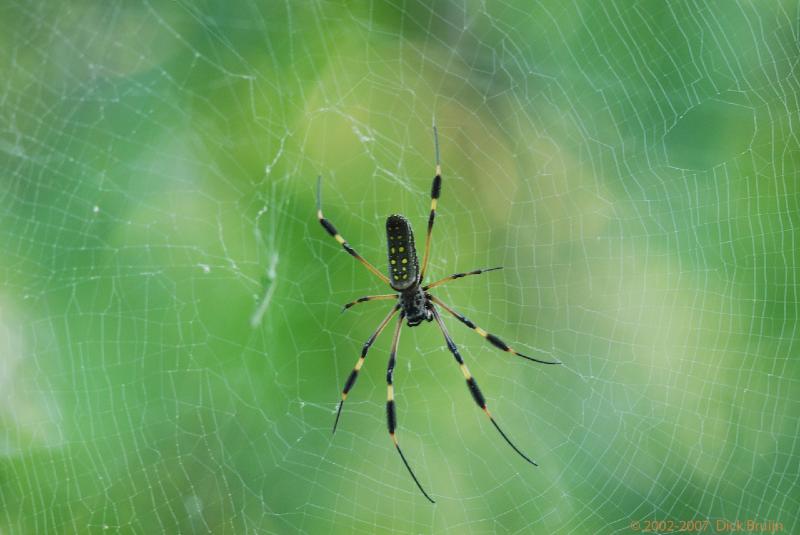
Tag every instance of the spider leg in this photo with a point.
(492, 339)
(436, 189)
(369, 298)
(391, 417)
(477, 395)
(328, 226)
(351, 379)
(455, 276)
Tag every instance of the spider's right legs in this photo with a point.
(455, 276)
(477, 395)
(351, 379)
(492, 339)
(436, 190)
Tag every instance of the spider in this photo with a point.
(415, 304)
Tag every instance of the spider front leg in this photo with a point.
(492, 339)
(436, 190)
(351, 379)
(328, 226)
(391, 417)
(477, 395)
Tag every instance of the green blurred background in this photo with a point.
(171, 343)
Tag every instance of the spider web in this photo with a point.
(172, 343)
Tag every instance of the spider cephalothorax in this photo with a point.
(415, 304)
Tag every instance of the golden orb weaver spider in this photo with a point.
(415, 304)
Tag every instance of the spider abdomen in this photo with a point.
(403, 265)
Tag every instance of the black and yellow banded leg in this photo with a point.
(455, 276)
(477, 395)
(351, 379)
(328, 226)
(436, 190)
(367, 298)
(391, 416)
(492, 339)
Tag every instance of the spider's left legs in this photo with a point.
(436, 189)
(369, 298)
(391, 417)
(351, 379)
(330, 229)
(477, 395)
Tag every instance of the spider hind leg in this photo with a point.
(391, 415)
(472, 385)
(351, 379)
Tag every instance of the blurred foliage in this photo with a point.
(171, 343)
